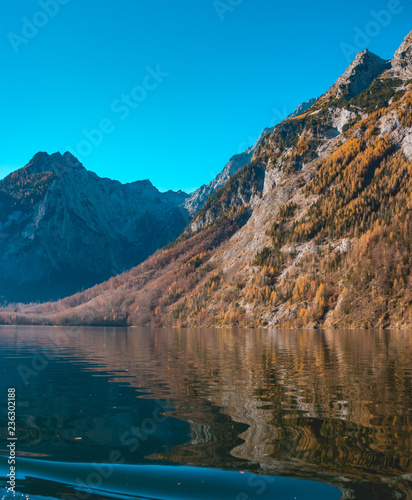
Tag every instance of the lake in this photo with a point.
(105, 413)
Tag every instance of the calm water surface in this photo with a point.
(207, 414)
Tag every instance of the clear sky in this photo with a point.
(170, 89)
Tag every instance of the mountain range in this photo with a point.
(64, 229)
(311, 226)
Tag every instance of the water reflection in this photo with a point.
(287, 402)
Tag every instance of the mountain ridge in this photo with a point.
(314, 231)
(125, 246)
(67, 225)
(198, 198)
(402, 60)
(360, 74)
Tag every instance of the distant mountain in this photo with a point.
(199, 197)
(63, 228)
(199, 201)
(315, 230)
(301, 109)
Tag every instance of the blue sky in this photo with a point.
(170, 90)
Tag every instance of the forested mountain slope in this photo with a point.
(315, 231)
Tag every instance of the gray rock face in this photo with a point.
(63, 228)
(199, 197)
(360, 74)
(402, 60)
(302, 108)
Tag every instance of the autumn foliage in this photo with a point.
(338, 250)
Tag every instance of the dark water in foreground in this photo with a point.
(207, 414)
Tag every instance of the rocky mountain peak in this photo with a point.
(402, 60)
(56, 163)
(65, 228)
(70, 159)
(304, 106)
(360, 74)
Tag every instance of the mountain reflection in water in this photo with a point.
(326, 405)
